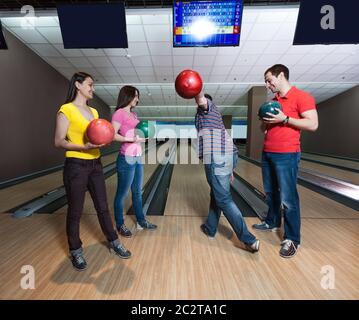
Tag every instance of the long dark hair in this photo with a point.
(79, 77)
(126, 95)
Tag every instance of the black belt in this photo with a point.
(83, 161)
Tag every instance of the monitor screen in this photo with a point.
(93, 25)
(3, 45)
(326, 22)
(207, 23)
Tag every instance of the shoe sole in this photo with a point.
(118, 255)
(140, 228)
(268, 230)
(123, 257)
(79, 270)
(125, 236)
(288, 257)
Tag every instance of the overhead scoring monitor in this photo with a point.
(207, 23)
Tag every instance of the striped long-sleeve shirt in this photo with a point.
(212, 135)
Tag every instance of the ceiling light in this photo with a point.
(202, 28)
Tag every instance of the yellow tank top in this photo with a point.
(76, 132)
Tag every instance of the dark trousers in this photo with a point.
(79, 176)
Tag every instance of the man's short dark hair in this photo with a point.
(206, 95)
(277, 69)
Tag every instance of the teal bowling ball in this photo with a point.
(145, 129)
(271, 107)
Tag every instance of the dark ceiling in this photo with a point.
(48, 4)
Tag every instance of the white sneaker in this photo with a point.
(254, 247)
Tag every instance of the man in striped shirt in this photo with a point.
(219, 155)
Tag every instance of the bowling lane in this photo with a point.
(313, 205)
(15, 195)
(336, 161)
(189, 191)
(351, 177)
(325, 159)
(341, 174)
(111, 186)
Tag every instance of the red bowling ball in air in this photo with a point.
(100, 131)
(188, 84)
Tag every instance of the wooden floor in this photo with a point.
(177, 262)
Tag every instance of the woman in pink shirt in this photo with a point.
(129, 164)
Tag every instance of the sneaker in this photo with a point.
(265, 227)
(289, 249)
(146, 225)
(206, 232)
(78, 261)
(124, 231)
(254, 247)
(120, 250)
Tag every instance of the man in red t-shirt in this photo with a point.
(281, 155)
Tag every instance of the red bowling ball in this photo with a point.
(100, 131)
(188, 84)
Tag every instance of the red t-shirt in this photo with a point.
(283, 137)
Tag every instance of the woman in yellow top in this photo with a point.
(83, 168)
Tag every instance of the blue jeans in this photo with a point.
(129, 174)
(279, 172)
(218, 174)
